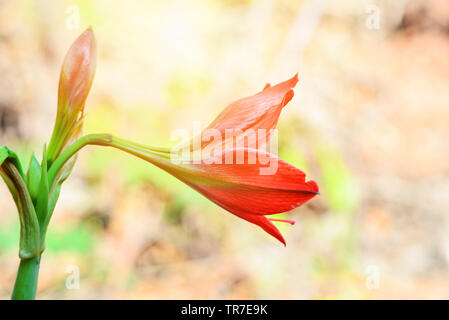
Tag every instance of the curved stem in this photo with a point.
(106, 140)
(57, 165)
(26, 280)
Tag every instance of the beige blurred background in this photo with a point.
(369, 122)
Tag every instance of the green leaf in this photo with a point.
(12, 173)
(6, 153)
(42, 198)
(33, 178)
(63, 174)
(29, 226)
(3, 154)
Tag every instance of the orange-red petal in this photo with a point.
(260, 111)
(241, 188)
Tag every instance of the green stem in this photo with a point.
(26, 280)
(70, 151)
(106, 140)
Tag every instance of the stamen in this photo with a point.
(280, 220)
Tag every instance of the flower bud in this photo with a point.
(77, 74)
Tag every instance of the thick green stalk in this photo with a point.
(29, 226)
(26, 280)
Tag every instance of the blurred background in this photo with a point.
(369, 123)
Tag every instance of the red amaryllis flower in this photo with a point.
(249, 183)
(75, 81)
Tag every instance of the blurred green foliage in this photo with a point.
(78, 238)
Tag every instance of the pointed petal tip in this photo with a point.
(87, 38)
(283, 87)
(294, 79)
(283, 242)
(290, 86)
(89, 30)
(280, 238)
(277, 234)
(314, 186)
